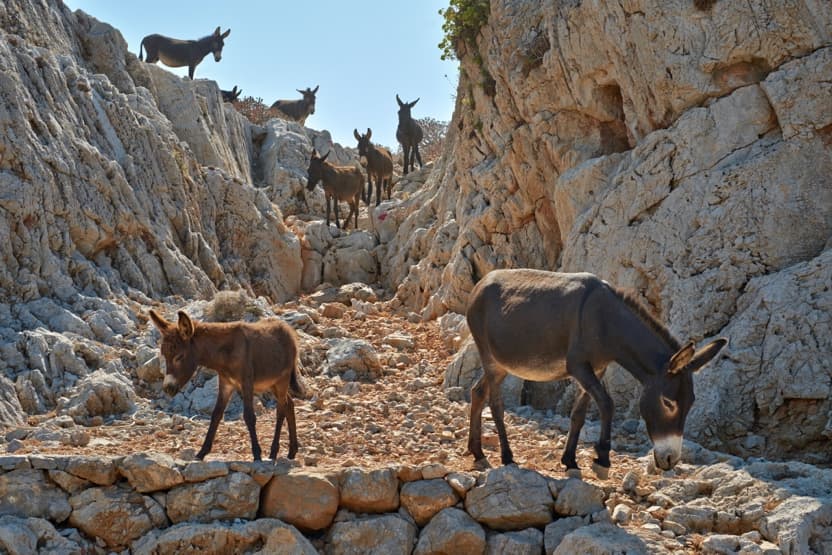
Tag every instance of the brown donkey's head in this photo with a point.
(217, 42)
(309, 98)
(363, 141)
(667, 398)
(316, 169)
(178, 349)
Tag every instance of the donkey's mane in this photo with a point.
(648, 317)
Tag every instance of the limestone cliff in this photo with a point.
(677, 149)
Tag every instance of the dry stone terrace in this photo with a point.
(153, 503)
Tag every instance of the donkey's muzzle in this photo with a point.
(667, 451)
(170, 386)
(217, 57)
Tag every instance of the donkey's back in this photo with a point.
(270, 347)
(529, 321)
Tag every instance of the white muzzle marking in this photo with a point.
(667, 451)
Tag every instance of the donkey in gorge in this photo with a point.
(179, 53)
(544, 326)
(379, 165)
(409, 134)
(339, 183)
(248, 357)
(298, 110)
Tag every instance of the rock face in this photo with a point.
(647, 143)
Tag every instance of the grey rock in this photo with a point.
(511, 498)
(384, 534)
(451, 531)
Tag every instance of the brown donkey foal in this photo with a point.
(248, 357)
(544, 326)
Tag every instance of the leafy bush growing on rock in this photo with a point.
(463, 21)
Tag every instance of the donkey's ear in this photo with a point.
(412, 104)
(357, 136)
(681, 359)
(325, 155)
(186, 326)
(315, 89)
(704, 355)
(161, 324)
(399, 100)
(369, 133)
(224, 34)
(217, 31)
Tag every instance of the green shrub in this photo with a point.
(463, 21)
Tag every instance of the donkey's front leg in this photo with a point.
(224, 390)
(247, 392)
(585, 375)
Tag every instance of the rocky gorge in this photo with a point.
(681, 150)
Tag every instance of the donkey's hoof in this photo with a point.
(602, 472)
(574, 473)
(482, 464)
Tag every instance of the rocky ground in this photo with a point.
(375, 376)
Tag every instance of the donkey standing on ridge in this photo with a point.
(179, 53)
(379, 165)
(544, 326)
(339, 183)
(409, 134)
(248, 357)
(298, 110)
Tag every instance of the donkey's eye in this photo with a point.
(178, 358)
(669, 404)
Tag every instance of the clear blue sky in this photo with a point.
(361, 53)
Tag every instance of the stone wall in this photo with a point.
(150, 503)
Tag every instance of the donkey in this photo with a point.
(298, 110)
(379, 165)
(339, 183)
(544, 326)
(232, 95)
(248, 357)
(179, 53)
(409, 134)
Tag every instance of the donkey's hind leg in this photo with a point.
(479, 391)
(495, 401)
(576, 423)
(285, 411)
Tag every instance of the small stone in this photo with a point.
(621, 514)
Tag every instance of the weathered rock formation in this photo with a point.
(680, 150)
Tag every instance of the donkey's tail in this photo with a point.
(297, 387)
(141, 59)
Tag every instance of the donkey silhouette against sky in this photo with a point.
(180, 53)
(544, 326)
(248, 357)
(298, 110)
(409, 134)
